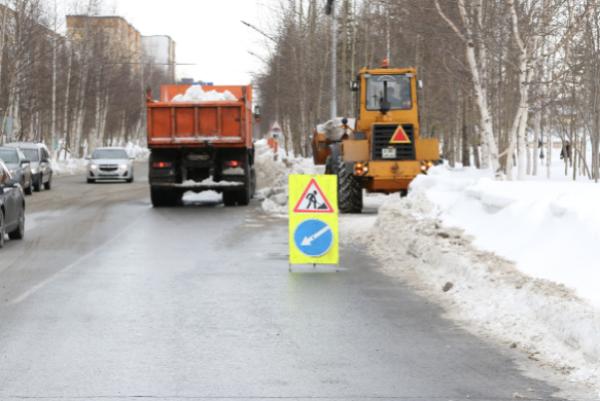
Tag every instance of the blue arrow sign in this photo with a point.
(313, 237)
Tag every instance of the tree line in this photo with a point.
(504, 80)
(72, 93)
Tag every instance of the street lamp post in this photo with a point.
(330, 10)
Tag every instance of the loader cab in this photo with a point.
(386, 95)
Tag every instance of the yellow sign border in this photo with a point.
(297, 184)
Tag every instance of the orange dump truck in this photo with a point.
(200, 139)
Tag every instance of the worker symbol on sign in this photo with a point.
(313, 200)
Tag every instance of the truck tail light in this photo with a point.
(162, 165)
(232, 163)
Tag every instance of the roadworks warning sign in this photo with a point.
(313, 219)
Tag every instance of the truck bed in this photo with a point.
(196, 124)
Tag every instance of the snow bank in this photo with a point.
(137, 151)
(195, 93)
(489, 294)
(550, 229)
(272, 172)
(69, 166)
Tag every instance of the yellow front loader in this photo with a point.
(383, 151)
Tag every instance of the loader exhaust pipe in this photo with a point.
(384, 103)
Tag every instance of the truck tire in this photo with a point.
(229, 198)
(253, 182)
(164, 197)
(350, 197)
(245, 195)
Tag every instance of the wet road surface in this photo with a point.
(108, 298)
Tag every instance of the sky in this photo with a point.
(208, 34)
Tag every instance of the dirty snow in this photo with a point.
(550, 229)
(69, 166)
(333, 129)
(209, 182)
(272, 172)
(489, 294)
(195, 93)
(202, 197)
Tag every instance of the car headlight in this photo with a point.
(34, 170)
(93, 167)
(123, 166)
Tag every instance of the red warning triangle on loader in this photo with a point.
(313, 200)
(400, 136)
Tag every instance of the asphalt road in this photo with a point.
(108, 298)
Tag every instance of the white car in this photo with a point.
(110, 164)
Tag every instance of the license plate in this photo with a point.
(388, 153)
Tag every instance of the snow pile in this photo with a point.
(550, 229)
(137, 151)
(210, 182)
(208, 197)
(489, 294)
(333, 129)
(272, 170)
(69, 166)
(195, 93)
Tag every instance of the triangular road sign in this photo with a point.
(313, 200)
(400, 136)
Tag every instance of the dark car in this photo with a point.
(12, 207)
(19, 167)
(39, 159)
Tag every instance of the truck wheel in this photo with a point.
(350, 198)
(164, 197)
(253, 182)
(229, 198)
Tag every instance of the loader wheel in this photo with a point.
(350, 198)
(330, 167)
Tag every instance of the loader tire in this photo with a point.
(350, 196)
(330, 167)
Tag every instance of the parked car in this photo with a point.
(19, 167)
(39, 159)
(110, 164)
(12, 207)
